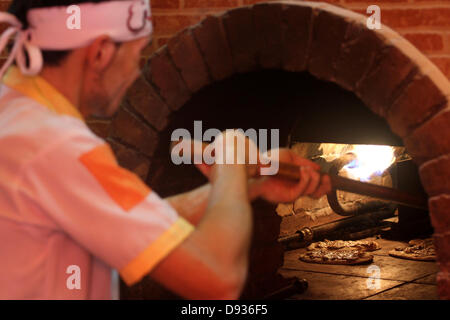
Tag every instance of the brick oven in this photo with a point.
(314, 71)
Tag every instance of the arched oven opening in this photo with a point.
(317, 73)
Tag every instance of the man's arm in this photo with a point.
(212, 262)
(192, 205)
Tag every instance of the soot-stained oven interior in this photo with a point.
(305, 110)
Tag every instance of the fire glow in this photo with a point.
(370, 161)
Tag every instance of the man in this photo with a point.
(69, 215)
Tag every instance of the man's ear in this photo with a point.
(101, 53)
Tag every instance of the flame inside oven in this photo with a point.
(370, 161)
(365, 161)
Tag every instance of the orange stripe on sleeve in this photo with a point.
(124, 187)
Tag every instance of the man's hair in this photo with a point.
(20, 9)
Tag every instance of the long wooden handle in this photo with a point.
(292, 172)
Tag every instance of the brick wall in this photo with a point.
(426, 23)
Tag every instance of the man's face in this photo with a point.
(104, 90)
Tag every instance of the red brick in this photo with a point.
(435, 175)
(4, 5)
(144, 100)
(443, 284)
(430, 140)
(143, 62)
(401, 18)
(424, 97)
(210, 3)
(440, 213)
(443, 64)
(242, 38)
(375, 2)
(160, 41)
(328, 35)
(130, 159)
(214, 47)
(151, 47)
(100, 127)
(296, 30)
(426, 42)
(134, 132)
(171, 24)
(249, 2)
(163, 74)
(357, 54)
(188, 59)
(268, 27)
(165, 4)
(442, 243)
(389, 71)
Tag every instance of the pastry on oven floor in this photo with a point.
(367, 245)
(419, 249)
(345, 256)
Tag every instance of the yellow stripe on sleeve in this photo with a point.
(156, 251)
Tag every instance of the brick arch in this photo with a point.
(383, 69)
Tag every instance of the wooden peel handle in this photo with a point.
(292, 172)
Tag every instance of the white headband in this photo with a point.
(50, 28)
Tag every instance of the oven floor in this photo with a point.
(399, 279)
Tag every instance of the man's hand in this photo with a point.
(232, 147)
(277, 190)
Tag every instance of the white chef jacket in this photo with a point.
(69, 214)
